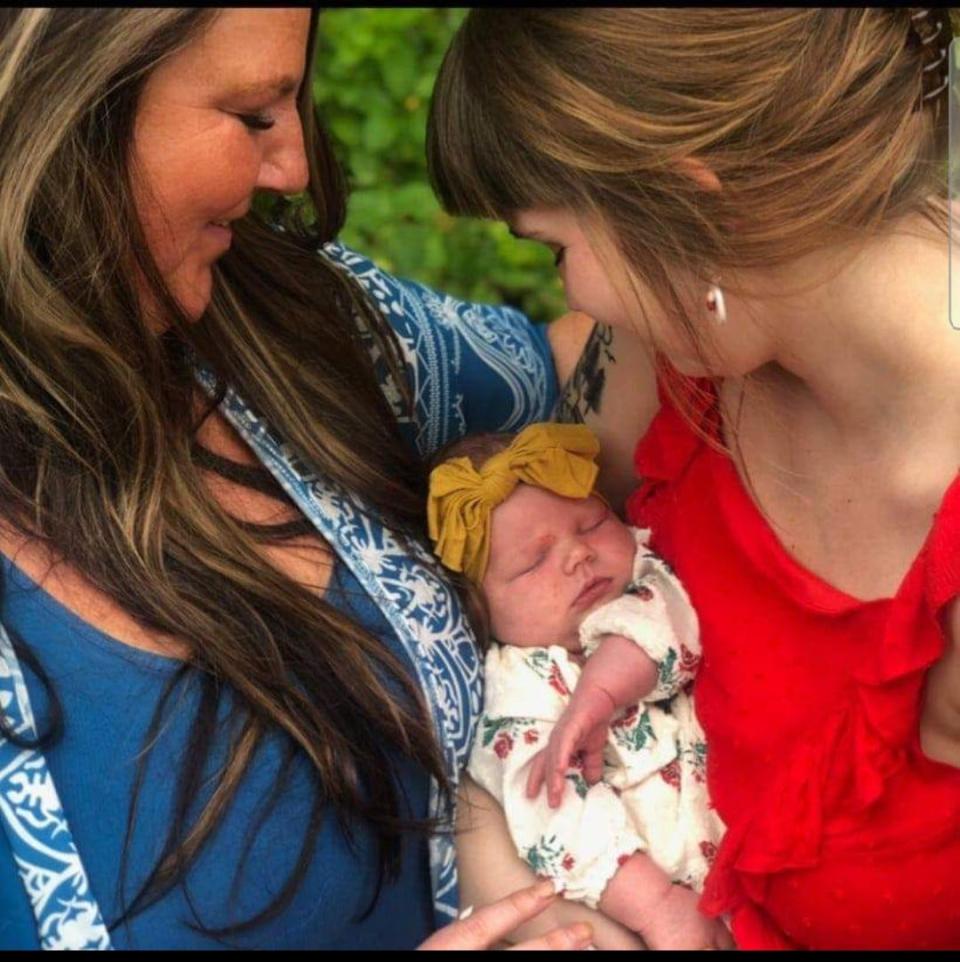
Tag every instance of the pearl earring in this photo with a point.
(716, 304)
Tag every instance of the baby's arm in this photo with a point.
(589, 842)
(618, 674)
(585, 842)
(489, 869)
(643, 645)
(641, 896)
(638, 899)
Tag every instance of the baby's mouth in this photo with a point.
(594, 589)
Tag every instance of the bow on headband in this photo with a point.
(556, 457)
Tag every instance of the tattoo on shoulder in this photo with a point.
(583, 393)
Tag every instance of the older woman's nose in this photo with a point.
(284, 168)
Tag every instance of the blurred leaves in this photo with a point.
(375, 72)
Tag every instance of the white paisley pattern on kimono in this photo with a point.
(47, 859)
(438, 334)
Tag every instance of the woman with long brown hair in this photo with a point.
(235, 690)
(761, 195)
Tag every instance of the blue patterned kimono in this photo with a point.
(472, 368)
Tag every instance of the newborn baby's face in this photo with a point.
(552, 561)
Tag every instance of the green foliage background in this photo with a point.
(375, 71)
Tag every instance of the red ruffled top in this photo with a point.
(841, 833)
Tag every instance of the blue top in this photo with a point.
(472, 368)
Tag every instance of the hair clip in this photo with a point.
(936, 63)
(937, 92)
(933, 36)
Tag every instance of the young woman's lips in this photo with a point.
(592, 591)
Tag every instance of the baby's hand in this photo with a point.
(618, 674)
(641, 896)
(582, 728)
(676, 923)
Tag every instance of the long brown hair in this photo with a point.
(98, 416)
(822, 125)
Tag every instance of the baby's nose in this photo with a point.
(581, 552)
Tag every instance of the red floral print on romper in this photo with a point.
(671, 774)
(556, 680)
(688, 660)
(627, 718)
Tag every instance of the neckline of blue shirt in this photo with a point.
(344, 591)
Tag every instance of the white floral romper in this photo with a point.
(653, 796)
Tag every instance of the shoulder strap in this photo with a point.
(419, 605)
(66, 911)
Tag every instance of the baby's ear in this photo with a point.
(700, 172)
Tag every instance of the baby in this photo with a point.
(597, 644)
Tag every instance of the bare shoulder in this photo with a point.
(568, 336)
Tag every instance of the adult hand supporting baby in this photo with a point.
(492, 923)
(618, 674)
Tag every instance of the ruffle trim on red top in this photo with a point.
(873, 734)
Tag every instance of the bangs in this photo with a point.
(478, 162)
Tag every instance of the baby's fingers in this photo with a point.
(537, 768)
(556, 782)
(560, 756)
(592, 767)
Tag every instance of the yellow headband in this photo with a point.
(556, 457)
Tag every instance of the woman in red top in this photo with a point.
(760, 196)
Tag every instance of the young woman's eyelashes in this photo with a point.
(558, 256)
(257, 121)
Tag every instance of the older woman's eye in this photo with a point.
(256, 121)
(558, 256)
